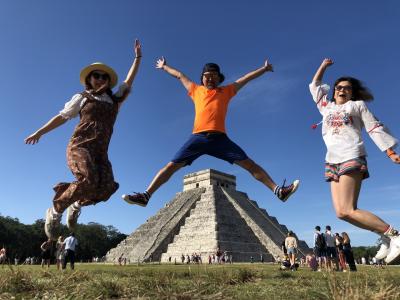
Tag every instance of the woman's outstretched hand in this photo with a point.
(327, 62)
(33, 138)
(161, 62)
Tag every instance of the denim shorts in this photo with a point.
(291, 251)
(215, 144)
(334, 171)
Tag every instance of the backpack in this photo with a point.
(320, 241)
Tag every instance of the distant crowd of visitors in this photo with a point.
(65, 252)
(330, 252)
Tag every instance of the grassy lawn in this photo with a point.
(237, 281)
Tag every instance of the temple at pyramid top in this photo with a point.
(207, 217)
(208, 177)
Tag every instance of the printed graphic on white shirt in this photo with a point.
(336, 120)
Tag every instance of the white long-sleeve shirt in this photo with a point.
(342, 125)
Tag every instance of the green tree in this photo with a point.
(24, 240)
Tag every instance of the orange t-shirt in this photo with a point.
(210, 106)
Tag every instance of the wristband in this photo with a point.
(138, 56)
(390, 152)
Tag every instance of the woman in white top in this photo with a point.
(291, 246)
(59, 252)
(344, 116)
(87, 150)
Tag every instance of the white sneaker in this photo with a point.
(52, 224)
(384, 249)
(73, 214)
(394, 250)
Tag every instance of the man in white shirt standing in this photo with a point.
(331, 256)
(70, 245)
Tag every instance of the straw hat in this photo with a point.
(98, 66)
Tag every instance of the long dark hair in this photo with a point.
(108, 91)
(346, 238)
(359, 91)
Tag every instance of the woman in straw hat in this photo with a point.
(87, 151)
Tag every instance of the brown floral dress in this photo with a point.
(87, 156)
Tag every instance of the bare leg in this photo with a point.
(292, 259)
(163, 176)
(258, 173)
(345, 197)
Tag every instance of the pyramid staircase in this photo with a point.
(208, 215)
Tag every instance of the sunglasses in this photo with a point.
(99, 76)
(343, 88)
(210, 75)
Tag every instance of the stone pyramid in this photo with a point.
(208, 214)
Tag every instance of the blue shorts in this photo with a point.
(216, 144)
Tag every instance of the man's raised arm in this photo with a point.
(162, 64)
(252, 75)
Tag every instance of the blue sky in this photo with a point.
(44, 45)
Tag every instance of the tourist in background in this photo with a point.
(291, 246)
(340, 252)
(348, 252)
(70, 244)
(46, 252)
(319, 247)
(60, 252)
(311, 261)
(331, 253)
(3, 255)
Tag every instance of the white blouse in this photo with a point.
(73, 107)
(342, 125)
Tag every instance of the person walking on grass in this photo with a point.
(46, 253)
(291, 246)
(344, 116)
(87, 151)
(209, 134)
(70, 244)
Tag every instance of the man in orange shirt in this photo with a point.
(209, 136)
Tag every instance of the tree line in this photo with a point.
(22, 241)
(95, 240)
